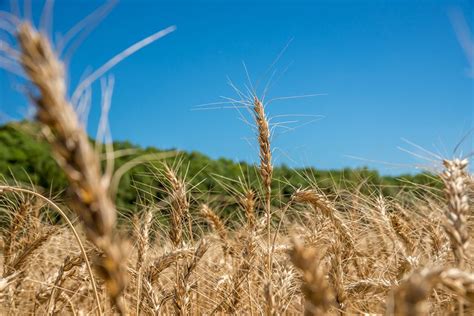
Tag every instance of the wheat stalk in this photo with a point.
(266, 170)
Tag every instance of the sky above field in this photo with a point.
(385, 75)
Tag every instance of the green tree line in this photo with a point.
(25, 158)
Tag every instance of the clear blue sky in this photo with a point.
(390, 70)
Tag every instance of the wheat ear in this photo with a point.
(11, 235)
(217, 225)
(242, 273)
(74, 153)
(455, 188)
(73, 229)
(321, 202)
(266, 168)
(410, 297)
(317, 293)
(248, 204)
(179, 206)
(143, 244)
(181, 297)
(68, 266)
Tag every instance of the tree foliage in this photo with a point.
(26, 158)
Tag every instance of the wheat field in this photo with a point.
(307, 253)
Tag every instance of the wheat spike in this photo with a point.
(316, 290)
(75, 155)
(455, 182)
